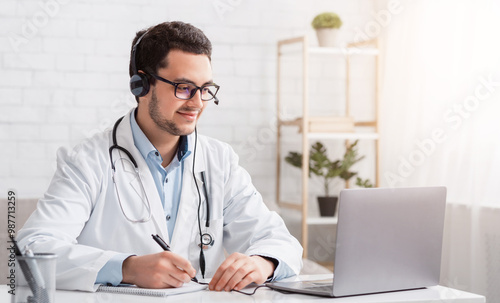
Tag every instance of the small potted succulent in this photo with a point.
(321, 166)
(327, 27)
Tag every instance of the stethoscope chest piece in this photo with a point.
(207, 240)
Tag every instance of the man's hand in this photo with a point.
(239, 270)
(161, 270)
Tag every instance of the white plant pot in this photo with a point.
(328, 37)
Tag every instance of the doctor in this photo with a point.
(153, 174)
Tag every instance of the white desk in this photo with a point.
(433, 294)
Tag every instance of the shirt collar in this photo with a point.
(145, 146)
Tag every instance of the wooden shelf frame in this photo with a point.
(304, 122)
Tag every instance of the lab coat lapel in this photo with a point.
(125, 139)
(186, 225)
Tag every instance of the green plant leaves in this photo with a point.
(328, 20)
(363, 183)
(321, 166)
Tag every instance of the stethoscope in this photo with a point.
(206, 238)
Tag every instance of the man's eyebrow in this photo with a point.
(185, 80)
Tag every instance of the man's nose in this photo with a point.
(196, 99)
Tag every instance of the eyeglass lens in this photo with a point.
(187, 91)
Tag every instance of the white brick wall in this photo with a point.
(64, 74)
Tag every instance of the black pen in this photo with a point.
(166, 247)
(160, 242)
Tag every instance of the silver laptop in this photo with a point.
(388, 239)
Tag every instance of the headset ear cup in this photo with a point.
(139, 85)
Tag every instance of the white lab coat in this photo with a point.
(80, 219)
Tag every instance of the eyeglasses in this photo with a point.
(186, 91)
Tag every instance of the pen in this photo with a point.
(31, 272)
(166, 247)
(160, 242)
(35, 271)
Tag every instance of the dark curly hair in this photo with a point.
(151, 53)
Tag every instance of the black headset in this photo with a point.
(139, 82)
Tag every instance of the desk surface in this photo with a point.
(432, 294)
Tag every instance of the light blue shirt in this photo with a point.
(168, 181)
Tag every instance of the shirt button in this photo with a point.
(157, 154)
(166, 180)
(168, 217)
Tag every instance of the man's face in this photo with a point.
(176, 116)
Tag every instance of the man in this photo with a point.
(153, 174)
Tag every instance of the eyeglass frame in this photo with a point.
(175, 84)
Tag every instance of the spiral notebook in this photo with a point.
(153, 292)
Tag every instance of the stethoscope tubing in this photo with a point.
(138, 175)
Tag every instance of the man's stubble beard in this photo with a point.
(165, 124)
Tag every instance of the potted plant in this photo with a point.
(327, 27)
(321, 166)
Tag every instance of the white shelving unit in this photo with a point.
(320, 128)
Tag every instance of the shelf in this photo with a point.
(328, 124)
(290, 205)
(335, 51)
(321, 220)
(344, 51)
(346, 136)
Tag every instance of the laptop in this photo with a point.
(388, 239)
